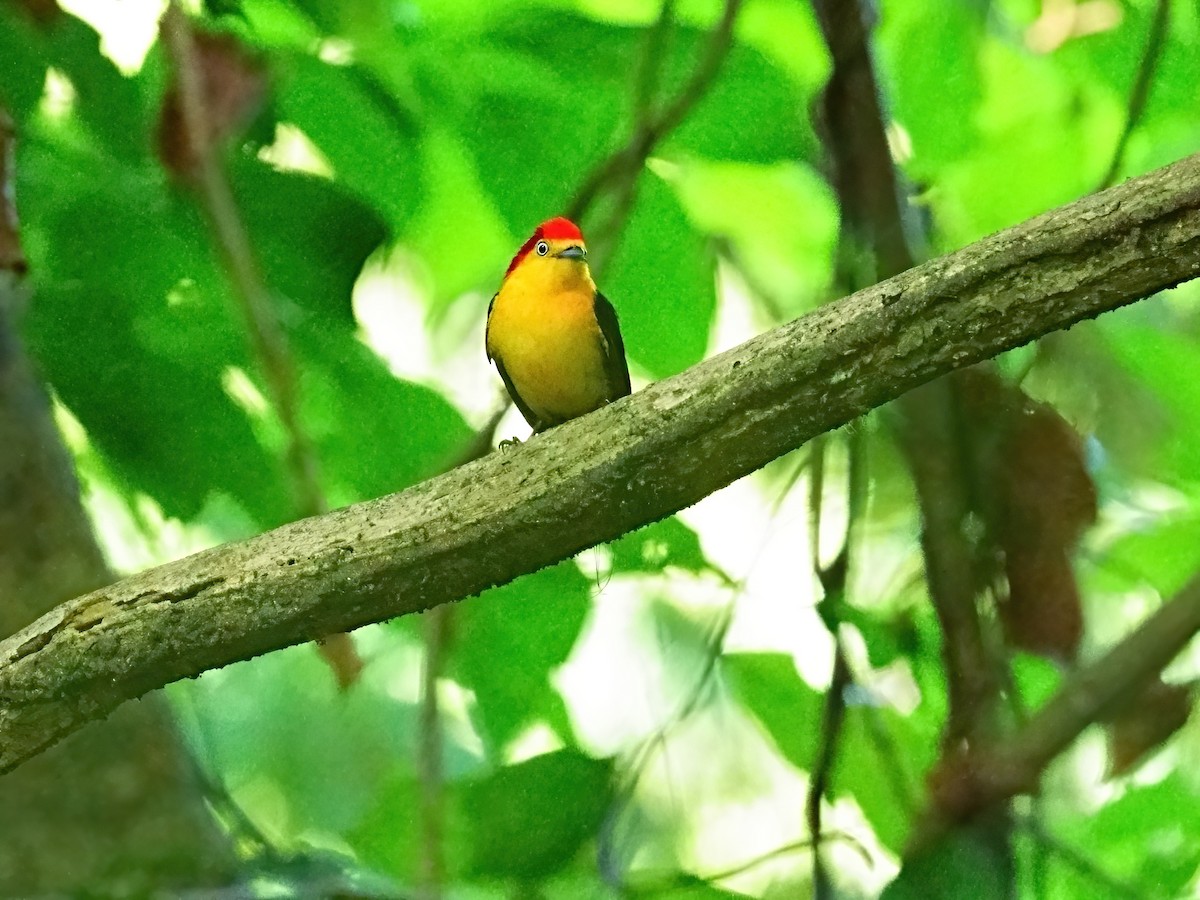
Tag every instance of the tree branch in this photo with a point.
(930, 435)
(1140, 92)
(627, 162)
(267, 338)
(986, 775)
(600, 476)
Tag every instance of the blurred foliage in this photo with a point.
(425, 140)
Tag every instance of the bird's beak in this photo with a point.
(572, 252)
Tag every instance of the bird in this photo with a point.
(553, 336)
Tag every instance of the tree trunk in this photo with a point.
(114, 810)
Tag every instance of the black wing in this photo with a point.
(488, 328)
(534, 422)
(615, 365)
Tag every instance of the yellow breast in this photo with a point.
(545, 334)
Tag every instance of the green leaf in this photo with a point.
(1164, 553)
(1037, 679)
(751, 112)
(657, 546)
(884, 754)
(537, 129)
(310, 236)
(108, 103)
(133, 328)
(366, 135)
(374, 433)
(1167, 129)
(457, 232)
(508, 642)
(964, 864)
(780, 220)
(22, 48)
(278, 729)
(390, 837)
(932, 55)
(882, 758)
(529, 820)
(1107, 63)
(1162, 815)
(137, 329)
(882, 636)
(662, 283)
(270, 24)
(768, 685)
(1168, 363)
(1039, 145)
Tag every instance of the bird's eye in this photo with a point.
(542, 248)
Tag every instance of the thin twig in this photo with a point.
(790, 848)
(833, 580)
(833, 716)
(639, 758)
(675, 880)
(1141, 89)
(267, 338)
(984, 776)
(649, 72)
(266, 334)
(429, 756)
(590, 480)
(834, 708)
(627, 163)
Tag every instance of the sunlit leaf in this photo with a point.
(363, 132)
(657, 546)
(1160, 814)
(790, 711)
(751, 112)
(932, 57)
(779, 219)
(507, 643)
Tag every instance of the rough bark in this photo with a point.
(597, 477)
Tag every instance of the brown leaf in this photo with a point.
(1042, 613)
(43, 12)
(1145, 722)
(342, 657)
(1036, 498)
(12, 257)
(231, 86)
